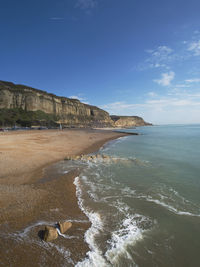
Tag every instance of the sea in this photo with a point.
(143, 199)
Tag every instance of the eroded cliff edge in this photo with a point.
(63, 110)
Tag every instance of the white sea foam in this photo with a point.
(173, 191)
(171, 208)
(127, 235)
(130, 230)
(65, 236)
(62, 250)
(121, 206)
(25, 231)
(95, 257)
(128, 190)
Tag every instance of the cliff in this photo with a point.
(128, 121)
(23, 99)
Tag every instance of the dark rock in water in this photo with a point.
(41, 234)
(50, 233)
(64, 226)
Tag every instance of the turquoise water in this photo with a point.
(144, 201)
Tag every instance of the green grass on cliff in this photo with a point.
(20, 117)
(11, 117)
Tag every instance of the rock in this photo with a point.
(106, 160)
(63, 110)
(115, 160)
(83, 157)
(128, 121)
(86, 158)
(50, 233)
(64, 226)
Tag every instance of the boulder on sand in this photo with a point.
(50, 233)
(64, 226)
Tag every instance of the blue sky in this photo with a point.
(128, 57)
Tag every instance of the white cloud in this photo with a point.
(196, 80)
(76, 97)
(159, 57)
(86, 4)
(195, 48)
(82, 99)
(161, 51)
(166, 78)
(183, 107)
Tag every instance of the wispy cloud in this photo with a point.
(182, 85)
(165, 57)
(166, 78)
(196, 80)
(159, 57)
(194, 47)
(57, 18)
(151, 94)
(86, 5)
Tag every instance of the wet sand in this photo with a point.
(28, 201)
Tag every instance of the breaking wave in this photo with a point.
(126, 233)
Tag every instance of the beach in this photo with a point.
(133, 201)
(31, 186)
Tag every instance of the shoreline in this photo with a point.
(52, 200)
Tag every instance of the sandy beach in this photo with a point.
(30, 187)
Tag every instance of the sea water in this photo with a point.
(144, 203)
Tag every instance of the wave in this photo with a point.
(167, 206)
(171, 208)
(129, 230)
(127, 235)
(113, 143)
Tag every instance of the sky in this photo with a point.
(129, 57)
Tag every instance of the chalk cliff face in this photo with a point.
(69, 111)
(128, 121)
